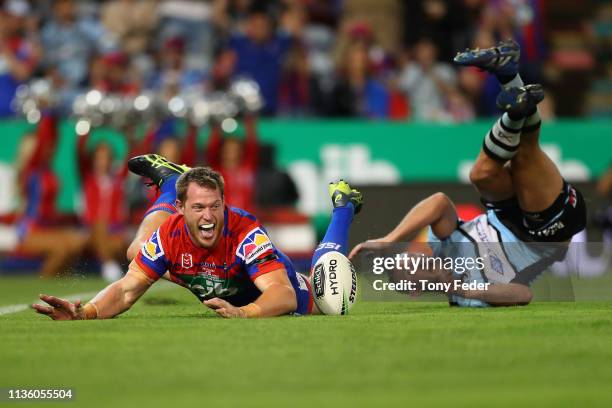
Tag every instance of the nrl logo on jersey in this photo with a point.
(152, 249)
(186, 261)
(254, 244)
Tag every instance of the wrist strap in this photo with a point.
(251, 310)
(90, 311)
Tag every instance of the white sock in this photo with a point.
(532, 122)
(515, 82)
(502, 141)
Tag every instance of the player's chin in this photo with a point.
(207, 239)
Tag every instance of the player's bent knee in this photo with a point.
(525, 298)
(482, 173)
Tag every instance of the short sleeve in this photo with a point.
(152, 257)
(257, 253)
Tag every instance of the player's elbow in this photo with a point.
(286, 298)
(290, 299)
(519, 295)
(524, 296)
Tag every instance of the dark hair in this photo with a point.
(203, 177)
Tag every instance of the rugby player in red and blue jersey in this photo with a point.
(221, 254)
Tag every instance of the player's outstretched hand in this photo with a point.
(59, 309)
(368, 245)
(223, 308)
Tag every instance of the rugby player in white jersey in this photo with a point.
(532, 212)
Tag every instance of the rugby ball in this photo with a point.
(334, 284)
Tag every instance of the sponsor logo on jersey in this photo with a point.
(253, 245)
(207, 286)
(152, 249)
(186, 261)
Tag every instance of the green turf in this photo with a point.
(169, 351)
(20, 290)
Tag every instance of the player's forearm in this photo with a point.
(111, 301)
(119, 296)
(501, 294)
(276, 300)
(436, 211)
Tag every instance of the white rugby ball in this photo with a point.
(334, 284)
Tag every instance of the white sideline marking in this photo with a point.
(12, 309)
(4, 310)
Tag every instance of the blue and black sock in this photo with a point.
(510, 81)
(167, 197)
(336, 237)
(502, 141)
(533, 122)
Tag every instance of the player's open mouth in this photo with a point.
(207, 230)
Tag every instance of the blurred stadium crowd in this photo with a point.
(111, 204)
(353, 58)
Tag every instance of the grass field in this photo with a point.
(168, 351)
